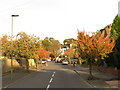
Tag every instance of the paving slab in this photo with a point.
(104, 81)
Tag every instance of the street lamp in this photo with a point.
(12, 44)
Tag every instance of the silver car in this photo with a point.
(65, 62)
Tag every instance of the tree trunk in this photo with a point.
(36, 64)
(80, 62)
(40, 61)
(90, 70)
(27, 65)
(69, 60)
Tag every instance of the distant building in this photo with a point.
(68, 45)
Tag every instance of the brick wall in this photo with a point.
(112, 71)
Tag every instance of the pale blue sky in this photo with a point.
(56, 18)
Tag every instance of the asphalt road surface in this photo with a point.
(55, 75)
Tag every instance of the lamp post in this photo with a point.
(12, 44)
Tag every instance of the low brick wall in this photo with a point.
(32, 63)
(6, 65)
(111, 71)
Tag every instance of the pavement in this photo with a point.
(17, 75)
(104, 80)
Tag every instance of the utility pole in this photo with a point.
(12, 46)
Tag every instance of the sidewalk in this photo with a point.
(17, 75)
(105, 81)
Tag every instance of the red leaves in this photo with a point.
(95, 46)
(42, 53)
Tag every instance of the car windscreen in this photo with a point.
(43, 60)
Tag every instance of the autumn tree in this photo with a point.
(95, 47)
(6, 46)
(3, 40)
(41, 54)
(26, 46)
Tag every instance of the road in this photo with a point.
(55, 75)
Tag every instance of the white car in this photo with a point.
(48, 60)
(2, 57)
(44, 61)
(65, 62)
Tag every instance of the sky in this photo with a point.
(119, 8)
(59, 19)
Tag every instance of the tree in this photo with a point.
(115, 31)
(5, 46)
(51, 39)
(26, 46)
(116, 53)
(52, 46)
(41, 54)
(55, 48)
(69, 40)
(94, 48)
(46, 42)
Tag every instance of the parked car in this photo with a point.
(65, 62)
(59, 60)
(44, 61)
(1, 57)
(48, 60)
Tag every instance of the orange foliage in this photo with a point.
(42, 53)
(96, 46)
(70, 53)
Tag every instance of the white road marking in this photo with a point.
(50, 80)
(53, 75)
(48, 86)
